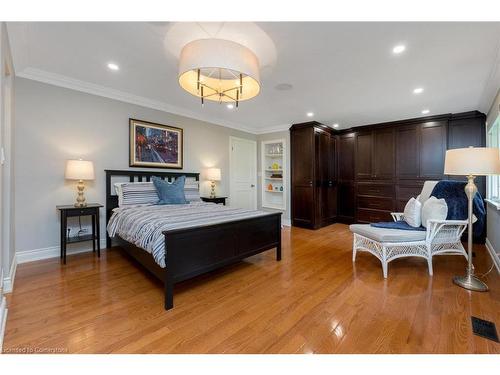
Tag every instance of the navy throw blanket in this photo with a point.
(403, 225)
(454, 194)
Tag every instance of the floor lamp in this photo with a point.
(471, 162)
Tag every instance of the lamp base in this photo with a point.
(80, 199)
(470, 282)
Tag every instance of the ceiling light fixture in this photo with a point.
(418, 90)
(335, 125)
(230, 106)
(113, 66)
(398, 49)
(425, 111)
(309, 114)
(219, 70)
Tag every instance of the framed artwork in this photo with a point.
(155, 145)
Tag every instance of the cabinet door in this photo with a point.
(432, 149)
(346, 202)
(330, 206)
(383, 154)
(302, 175)
(363, 156)
(346, 157)
(325, 184)
(407, 152)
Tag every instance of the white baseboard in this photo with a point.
(286, 222)
(8, 281)
(493, 255)
(3, 320)
(26, 256)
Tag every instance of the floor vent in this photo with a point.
(484, 328)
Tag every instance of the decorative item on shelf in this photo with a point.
(281, 188)
(276, 188)
(155, 145)
(270, 187)
(471, 162)
(275, 166)
(213, 175)
(219, 70)
(276, 175)
(79, 170)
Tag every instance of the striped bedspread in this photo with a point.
(143, 225)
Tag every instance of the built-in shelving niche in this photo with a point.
(274, 187)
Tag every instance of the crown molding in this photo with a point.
(273, 129)
(98, 90)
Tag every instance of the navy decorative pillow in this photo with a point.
(170, 193)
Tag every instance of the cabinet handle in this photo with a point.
(310, 183)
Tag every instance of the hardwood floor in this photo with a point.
(313, 301)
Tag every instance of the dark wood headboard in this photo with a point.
(136, 176)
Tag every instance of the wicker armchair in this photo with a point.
(441, 237)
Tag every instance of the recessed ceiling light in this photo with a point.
(230, 106)
(335, 125)
(283, 86)
(425, 111)
(113, 66)
(399, 49)
(310, 114)
(418, 90)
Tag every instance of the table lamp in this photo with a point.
(213, 174)
(79, 170)
(471, 162)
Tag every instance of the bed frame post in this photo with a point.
(108, 207)
(169, 278)
(169, 291)
(278, 247)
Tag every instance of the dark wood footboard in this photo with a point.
(194, 251)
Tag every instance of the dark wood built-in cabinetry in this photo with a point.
(314, 185)
(373, 170)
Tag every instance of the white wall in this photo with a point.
(267, 137)
(7, 252)
(493, 213)
(54, 124)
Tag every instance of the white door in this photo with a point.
(242, 173)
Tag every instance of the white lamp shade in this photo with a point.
(213, 174)
(216, 57)
(476, 161)
(79, 170)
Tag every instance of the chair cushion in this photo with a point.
(387, 235)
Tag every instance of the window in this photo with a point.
(493, 140)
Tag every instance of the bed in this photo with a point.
(192, 247)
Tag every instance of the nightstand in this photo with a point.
(217, 200)
(92, 209)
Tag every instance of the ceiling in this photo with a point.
(344, 73)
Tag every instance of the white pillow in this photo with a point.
(434, 209)
(412, 213)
